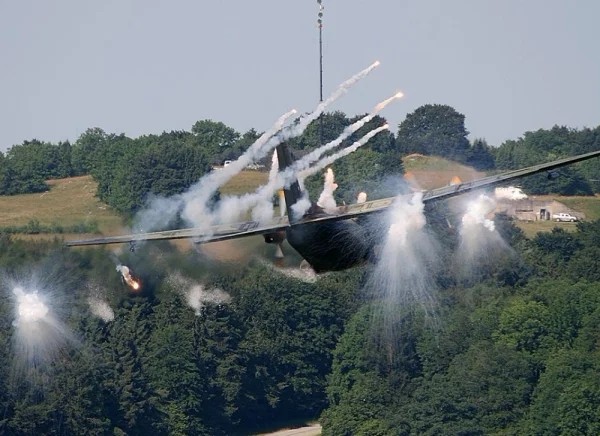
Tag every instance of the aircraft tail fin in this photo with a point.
(292, 193)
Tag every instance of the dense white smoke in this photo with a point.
(326, 200)
(101, 309)
(480, 244)
(197, 295)
(40, 336)
(361, 198)
(402, 278)
(300, 207)
(476, 214)
(196, 199)
(510, 193)
(194, 203)
(304, 272)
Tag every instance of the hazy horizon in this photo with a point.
(139, 68)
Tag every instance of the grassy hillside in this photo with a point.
(68, 202)
(433, 172)
(590, 206)
(72, 201)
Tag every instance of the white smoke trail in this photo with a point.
(193, 204)
(158, 213)
(263, 211)
(302, 206)
(326, 200)
(342, 89)
(161, 211)
(196, 209)
(196, 198)
(231, 208)
(346, 133)
(362, 198)
(328, 160)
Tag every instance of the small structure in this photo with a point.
(532, 209)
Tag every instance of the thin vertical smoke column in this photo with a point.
(320, 25)
(402, 280)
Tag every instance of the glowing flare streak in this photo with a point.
(129, 280)
(326, 161)
(264, 192)
(349, 130)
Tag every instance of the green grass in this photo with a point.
(431, 172)
(244, 182)
(590, 206)
(421, 162)
(533, 228)
(71, 203)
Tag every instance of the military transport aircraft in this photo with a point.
(327, 241)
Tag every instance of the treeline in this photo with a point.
(513, 348)
(129, 170)
(516, 353)
(161, 366)
(546, 145)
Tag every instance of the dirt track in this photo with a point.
(313, 430)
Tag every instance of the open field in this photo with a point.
(246, 181)
(533, 228)
(434, 172)
(590, 206)
(72, 201)
(68, 202)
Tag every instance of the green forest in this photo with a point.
(510, 346)
(130, 170)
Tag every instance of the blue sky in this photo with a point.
(138, 67)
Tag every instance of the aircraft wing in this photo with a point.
(461, 188)
(229, 231)
(369, 207)
(210, 234)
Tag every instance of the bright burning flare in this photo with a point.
(30, 307)
(127, 277)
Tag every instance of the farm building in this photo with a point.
(531, 209)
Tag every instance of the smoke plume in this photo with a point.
(326, 200)
(101, 309)
(197, 295)
(403, 275)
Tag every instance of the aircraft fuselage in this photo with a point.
(331, 246)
